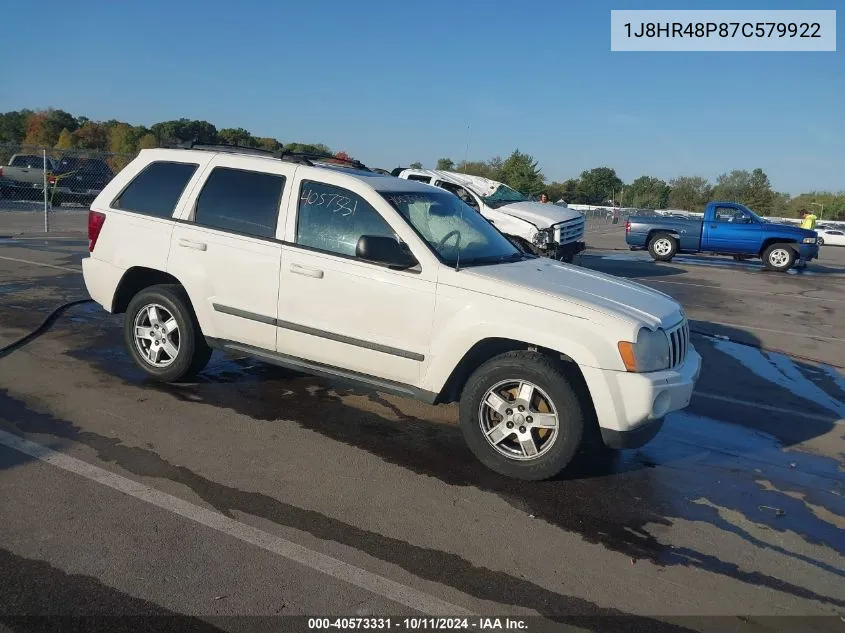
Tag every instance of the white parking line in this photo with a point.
(29, 261)
(361, 578)
(767, 407)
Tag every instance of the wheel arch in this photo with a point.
(770, 241)
(136, 279)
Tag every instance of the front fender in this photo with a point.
(460, 324)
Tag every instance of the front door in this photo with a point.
(733, 230)
(344, 312)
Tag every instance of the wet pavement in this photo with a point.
(735, 509)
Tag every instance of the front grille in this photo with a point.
(678, 343)
(570, 230)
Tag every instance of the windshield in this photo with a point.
(756, 217)
(504, 195)
(455, 231)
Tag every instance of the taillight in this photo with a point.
(51, 180)
(627, 226)
(95, 225)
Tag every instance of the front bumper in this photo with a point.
(630, 407)
(807, 252)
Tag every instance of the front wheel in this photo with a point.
(779, 257)
(662, 247)
(821, 241)
(163, 336)
(521, 417)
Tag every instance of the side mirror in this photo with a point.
(388, 251)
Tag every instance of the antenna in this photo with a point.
(466, 150)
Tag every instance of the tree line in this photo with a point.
(601, 185)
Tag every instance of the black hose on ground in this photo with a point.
(46, 324)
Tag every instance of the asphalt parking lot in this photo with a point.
(255, 492)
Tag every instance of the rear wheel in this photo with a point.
(779, 257)
(662, 247)
(520, 416)
(162, 334)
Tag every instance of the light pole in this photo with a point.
(821, 213)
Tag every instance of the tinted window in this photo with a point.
(732, 214)
(156, 190)
(28, 161)
(419, 178)
(241, 201)
(332, 219)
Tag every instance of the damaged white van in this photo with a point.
(549, 230)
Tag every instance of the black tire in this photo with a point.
(657, 242)
(779, 257)
(544, 373)
(821, 241)
(193, 352)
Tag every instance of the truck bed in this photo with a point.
(639, 230)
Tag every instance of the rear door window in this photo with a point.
(240, 201)
(157, 189)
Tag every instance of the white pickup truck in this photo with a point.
(389, 284)
(550, 230)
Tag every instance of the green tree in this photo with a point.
(36, 131)
(92, 136)
(416, 165)
(646, 193)
(474, 168)
(13, 126)
(832, 204)
(689, 193)
(148, 141)
(521, 172)
(597, 186)
(65, 140)
(268, 143)
(752, 189)
(445, 164)
(236, 136)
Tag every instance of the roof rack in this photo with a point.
(302, 158)
(310, 157)
(222, 147)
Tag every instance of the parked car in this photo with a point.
(389, 284)
(23, 177)
(550, 230)
(79, 180)
(832, 237)
(728, 228)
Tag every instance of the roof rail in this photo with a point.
(220, 147)
(310, 157)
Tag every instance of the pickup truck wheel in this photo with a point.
(663, 247)
(163, 336)
(520, 417)
(779, 257)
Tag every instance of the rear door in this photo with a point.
(225, 251)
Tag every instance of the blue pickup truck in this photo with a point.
(728, 228)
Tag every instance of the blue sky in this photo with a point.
(394, 82)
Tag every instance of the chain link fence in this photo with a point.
(48, 179)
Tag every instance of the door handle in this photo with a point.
(714, 226)
(316, 273)
(199, 246)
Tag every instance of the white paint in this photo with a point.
(361, 578)
(29, 261)
(780, 370)
(767, 407)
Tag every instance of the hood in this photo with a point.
(538, 214)
(797, 231)
(574, 290)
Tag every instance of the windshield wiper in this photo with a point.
(495, 259)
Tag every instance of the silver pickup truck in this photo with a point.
(23, 177)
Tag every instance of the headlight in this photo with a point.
(810, 240)
(541, 238)
(649, 353)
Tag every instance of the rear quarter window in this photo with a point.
(156, 190)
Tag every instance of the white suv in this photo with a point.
(391, 284)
